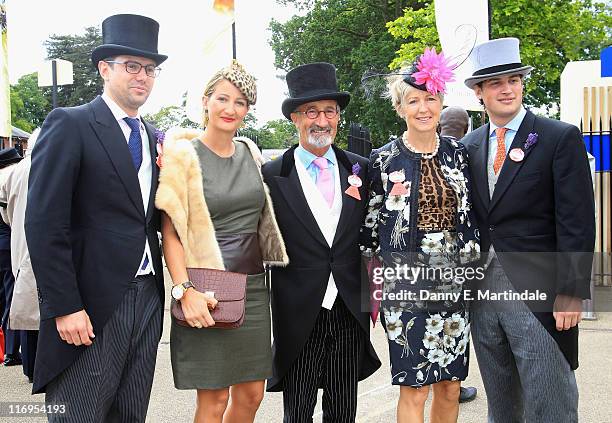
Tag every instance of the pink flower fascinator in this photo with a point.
(432, 71)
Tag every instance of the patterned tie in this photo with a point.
(135, 141)
(500, 156)
(325, 183)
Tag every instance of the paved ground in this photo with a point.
(377, 398)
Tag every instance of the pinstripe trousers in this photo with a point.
(330, 359)
(111, 380)
(525, 374)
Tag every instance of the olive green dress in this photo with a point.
(211, 358)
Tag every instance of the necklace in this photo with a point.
(423, 155)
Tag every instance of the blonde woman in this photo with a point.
(419, 216)
(217, 214)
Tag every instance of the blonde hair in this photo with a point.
(208, 90)
(239, 77)
(398, 90)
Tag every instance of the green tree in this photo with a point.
(77, 49)
(552, 33)
(17, 109)
(29, 104)
(352, 35)
(171, 116)
(279, 133)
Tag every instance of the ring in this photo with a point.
(198, 325)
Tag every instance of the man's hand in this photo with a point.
(75, 328)
(567, 312)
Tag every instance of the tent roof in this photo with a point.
(18, 133)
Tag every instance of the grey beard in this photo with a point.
(319, 141)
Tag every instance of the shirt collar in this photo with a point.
(117, 111)
(513, 125)
(306, 157)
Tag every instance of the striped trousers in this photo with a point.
(111, 380)
(330, 359)
(525, 374)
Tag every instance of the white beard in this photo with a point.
(319, 141)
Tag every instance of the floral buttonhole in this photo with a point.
(159, 146)
(354, 182)
(532, 139)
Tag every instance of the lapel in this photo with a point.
(111, 137)
(348, 202)
(510, 168)
(478, 160)
(154, 169)
(290, 187)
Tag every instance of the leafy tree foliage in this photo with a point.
(29, 103)
(352, 35)
(77, 49)
(275, 134)
(552, 33)
(278, 133)
(171, 116)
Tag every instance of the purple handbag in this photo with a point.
(229, 289)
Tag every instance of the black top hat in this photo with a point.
(9, 156)
(134, 35)
(312, 82)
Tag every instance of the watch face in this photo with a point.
(177, 292)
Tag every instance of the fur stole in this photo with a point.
(181, 195)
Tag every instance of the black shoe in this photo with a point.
(467, 394)
(12, 360)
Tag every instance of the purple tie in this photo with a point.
(325, 183)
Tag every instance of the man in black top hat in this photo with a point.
(321, 336)
(91, 228)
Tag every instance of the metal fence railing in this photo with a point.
(359, 140)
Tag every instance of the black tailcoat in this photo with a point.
(299, 288)
(541, 218)
(85, 225)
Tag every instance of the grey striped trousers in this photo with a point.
(111, 380)
(330, 359)
(525, 374)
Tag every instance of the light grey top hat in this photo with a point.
(495, 58)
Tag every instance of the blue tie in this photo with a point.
(135, 141)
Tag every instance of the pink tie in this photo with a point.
(325, 182)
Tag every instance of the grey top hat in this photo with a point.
(133, 35)
(312, 82)
(496, 58)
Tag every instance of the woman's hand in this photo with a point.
(195, 307)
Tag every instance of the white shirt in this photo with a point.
(145, 173)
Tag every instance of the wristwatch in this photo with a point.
(179, 290)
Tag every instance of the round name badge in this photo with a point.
(355, 181)
(517, 155)
(397, 177)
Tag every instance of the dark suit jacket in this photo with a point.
(85, 225)
(541, 219)
(299, 288)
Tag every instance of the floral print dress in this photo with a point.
(428, 228)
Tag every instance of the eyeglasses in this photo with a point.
(314, 113)
(135, 67)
